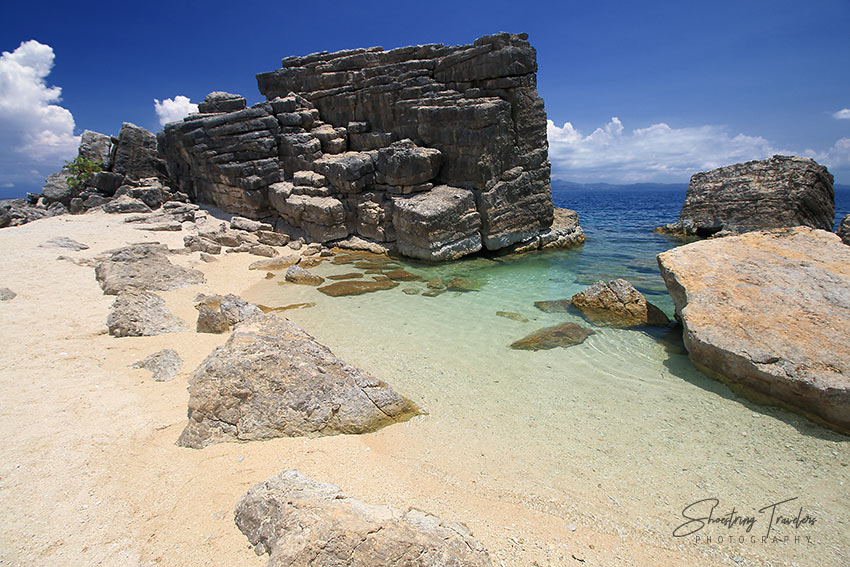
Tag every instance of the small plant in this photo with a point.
(82, 170)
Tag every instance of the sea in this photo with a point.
(620, 432)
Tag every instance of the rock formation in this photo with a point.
(217, 314)
(774, 193)
(617, 304)
(435, 151)
(843, 230)
(271, 379)
(769, 311)
(300, 522)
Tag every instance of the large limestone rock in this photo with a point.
(344, 134)
(617, 304)
(271, 379)
(770, 311)
(441, 224)
(778, 192)
(143, 266)
(140, 313)
(300, 522)
(136, 153)
(56, 188)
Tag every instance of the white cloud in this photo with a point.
(36, 135)
(658, 153)
(172, 110)
(843, 114)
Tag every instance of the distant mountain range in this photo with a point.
(572, 185)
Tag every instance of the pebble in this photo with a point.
(571, 527)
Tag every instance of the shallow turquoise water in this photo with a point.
(620, 431)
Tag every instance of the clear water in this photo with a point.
(620, 432)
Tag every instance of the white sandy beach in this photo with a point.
(90, 473)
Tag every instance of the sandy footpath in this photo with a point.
(90, 474)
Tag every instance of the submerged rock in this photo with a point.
(271, 379)
(782, 191)
(163, 364)
(513, 316)
(300, 523)
(143, 266)
(348, 276)
(563, 335)
(769, 311)
(349, 287)
(140, 313)
(618, 304)
(554, 305)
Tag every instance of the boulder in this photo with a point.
(563, 335)
(565, 231)
(782, 191)
(299, 275)
(126, 204)
(618, 304)
(349, 172)
(220, 101)
(163, 364)
(248, 225)
(140, 313)
(197, 243)
(277, 263)
(136, 153)
(300, 522)
(769, 312)
(217, 314)
(143, 266)
(405, 163)
(442, 224)
(107, 182)
(56, 188)
(96, 147)
(843, 230)
(271, 379)
(272, 238)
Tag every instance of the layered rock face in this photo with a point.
(440, 151)
(770, 311)
(778, 192)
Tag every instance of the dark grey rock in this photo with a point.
(163, 364)
(139, 313)
(335, 529)
(843, 230)
(143, 266)
(136, 153)
(220, 101)
(7, 294)
(271, 379)
(126, 204)
(56, 188)
(97, 148)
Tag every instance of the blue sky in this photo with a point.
(637, 91)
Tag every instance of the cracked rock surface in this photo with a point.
(271, 379)
(301, 522)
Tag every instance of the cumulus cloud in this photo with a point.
(36, 134)
(658, 153)
(174, 109)
(843, 114)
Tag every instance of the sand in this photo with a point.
(90, 474)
